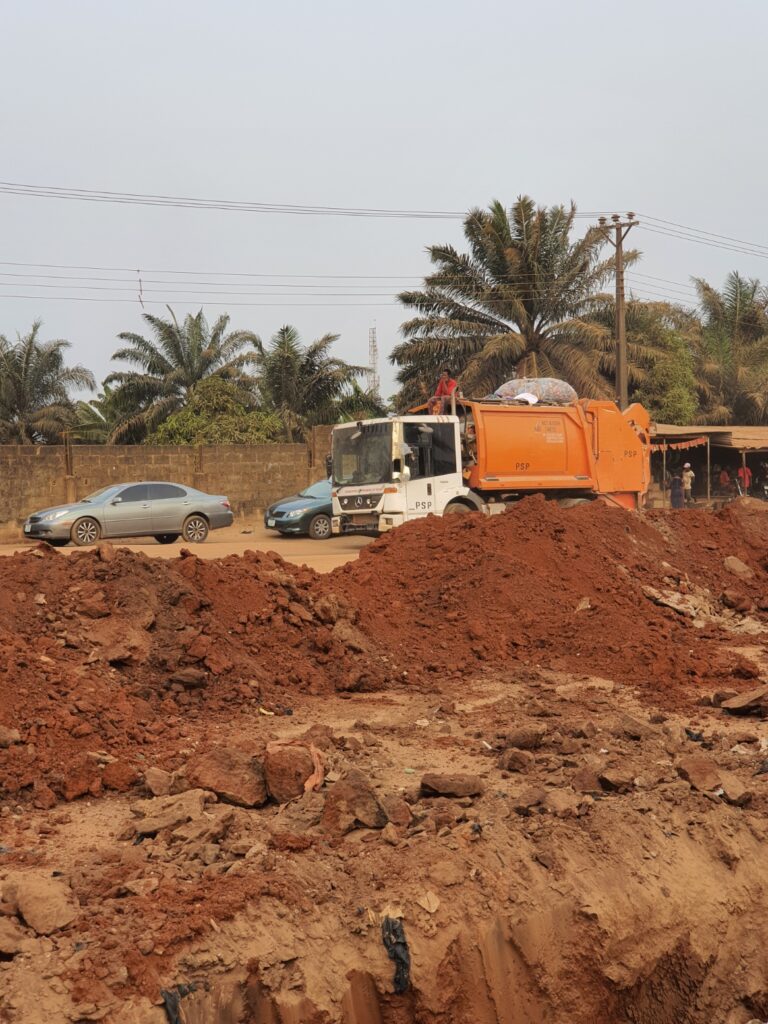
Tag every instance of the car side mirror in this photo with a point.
(116, 501)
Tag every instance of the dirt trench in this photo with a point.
(218, 780)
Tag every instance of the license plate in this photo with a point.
(270, 522)
(27, 529)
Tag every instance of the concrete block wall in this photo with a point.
(252, 476)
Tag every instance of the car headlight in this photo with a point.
(56, 515)
(295, 513)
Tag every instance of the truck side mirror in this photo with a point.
(328, 465)
(405, 474)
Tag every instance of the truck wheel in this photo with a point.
(85, 531)
(572, 502)
(457, 508)
(320, 527)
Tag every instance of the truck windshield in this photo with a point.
(362, 454)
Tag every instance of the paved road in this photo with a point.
(321, 555)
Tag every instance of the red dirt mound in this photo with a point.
(108, 657)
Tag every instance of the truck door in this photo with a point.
(446, 463)
(418, 457)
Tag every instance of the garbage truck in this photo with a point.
(483, 455)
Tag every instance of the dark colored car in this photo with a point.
(308, 512)
(161, 510)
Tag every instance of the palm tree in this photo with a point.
(179, 356)
(98, 420)
(35, 386)
(304, 386)
(732, 351)
(515, 304)
(653, 331)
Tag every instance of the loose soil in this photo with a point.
(593, 852)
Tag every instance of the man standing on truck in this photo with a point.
(446, 386)
(688, 477)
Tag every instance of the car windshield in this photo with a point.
(98, 494)
(322, 489)
(362, 454)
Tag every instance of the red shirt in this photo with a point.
(445, 388)
(744, 474)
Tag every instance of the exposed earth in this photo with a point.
(492, 770)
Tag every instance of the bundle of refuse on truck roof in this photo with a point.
(535, 390)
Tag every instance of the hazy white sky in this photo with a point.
(655, 107)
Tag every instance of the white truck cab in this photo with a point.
(388, 471)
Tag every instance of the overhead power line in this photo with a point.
(242, 206)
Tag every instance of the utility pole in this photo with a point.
(620, 229)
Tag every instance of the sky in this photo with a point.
(418, 105)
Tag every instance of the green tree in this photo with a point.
(514, 305)
(35, 388)
(216, 414)
(170, 365)
(97, 421)
(732, 351)
(660, 362)
(307, 386)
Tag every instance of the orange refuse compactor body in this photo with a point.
(589, 447)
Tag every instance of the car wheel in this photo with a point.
(85, 531)
(59, 542)
(166, 538)
(320, 527)
(195, 529)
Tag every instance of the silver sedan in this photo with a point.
(164, 511)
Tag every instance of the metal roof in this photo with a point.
(724, 436)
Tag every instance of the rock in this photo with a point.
(8, 737)
(456, 784)
(119, 776)
(190, 678)
(748, 701)
(106, 551)
(389, 834)
(734, 791)
(585, 780)
(616, 780)
(286, 768)
(736, 600)
(43, 796)
(528, 738)
(738, 568)
(301, 814)
(700, 771)
(168, 811)
(396, 809)
(233, 775)
(12, 938)
(530, 797)
(351, 803)
(632, 728)
(139, 886)
(94, 606)
(514, 760)
(330, 608)
(351, 637)
(564, 804)
(44, 903)
(722, 695)
(157, 781)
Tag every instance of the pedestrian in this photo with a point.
(676, 492)
(744, 473)
(724, 482)
(688, 477)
